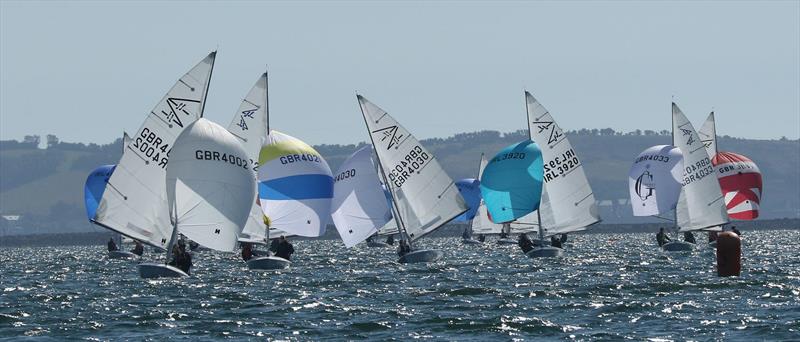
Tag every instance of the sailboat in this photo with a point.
(210, 191)
(470, 190)
(424, 197)
(359, 205)
(134, 203)
(568, 203)
(739, 177)
(295, 186)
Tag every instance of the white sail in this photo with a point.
(708, 135)
(136, 202)
(425, 196)
(570, 202)
(250, 126)
(295, 186)
(359, 205)
(481, 224)
(703, 205)
(390, 228)
(210, 185)
(654, 180)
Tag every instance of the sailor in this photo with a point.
(712, 236)
(247, 251)
(184, 261)
(465, 235)
(138, 249)
(503, 235)
(563, 238)
(524, 243)
(369, 239)
(273, 245)
(112, 246)
(662, 237)
(733, 229)
(481, 237)
(404, 248)
(555, 242)
(285, 249)
(688, 237)
(390, 239)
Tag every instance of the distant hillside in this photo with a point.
(45, 186)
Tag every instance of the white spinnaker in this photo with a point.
(570, 204)
(250, 126)
(708, 135)
(359, 205)
(654, 180)
(425, 196)
(135, 203)
(704, 205)
(210, 185)
(481, 224)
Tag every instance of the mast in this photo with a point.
(266, 112)
(395, 211)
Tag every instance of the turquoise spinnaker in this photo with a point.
(511, 184)
(94, 187)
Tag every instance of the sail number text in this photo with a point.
(345, 175)
(560, 165)
(152, 146)
(408, 166)
(697, 171)
(223, 157)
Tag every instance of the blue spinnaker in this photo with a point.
(471, 191)
(94, 187)
(511, 184)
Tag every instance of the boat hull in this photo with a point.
(677, 246)
(420, 256)
(268, 263)
(545, 252)
(506, 242)
(121, 255)
(377, 244)
(153, 270)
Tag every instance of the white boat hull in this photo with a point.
(677, 246)
(377, 244)
(121, 255)
(153, 270)
(506, 242)
(545, 252)
(471, 242)
(268, 263)
(421, 255)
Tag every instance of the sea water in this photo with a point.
(607, 287)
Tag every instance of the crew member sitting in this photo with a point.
(688, 237)
(390, 239)
(404, 248)
(112, 246)
(524, 243)
(247, 251)
(662, 237)
(138, 249)
(555, 242)
(285, 249)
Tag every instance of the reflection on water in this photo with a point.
(606, 287)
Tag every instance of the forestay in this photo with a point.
(425, 196)
(569, 203)
(511, 184)
(704, 206)
(210, 185)
(136, 203)
(359, 205)
(250, 126)
(295, 186)
(654, 180)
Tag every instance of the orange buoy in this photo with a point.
(729, 254)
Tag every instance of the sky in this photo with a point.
(87, 71)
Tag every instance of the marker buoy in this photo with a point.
(729, 254)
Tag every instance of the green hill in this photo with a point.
(45, 186)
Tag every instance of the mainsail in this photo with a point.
(568, 202)
(250, 125)
(739, 177)
(295, 186)
(425, 197)
(136, 204)
(359, 205)
(702, 205)
(654, 180)
(511, 184)
(210, 185)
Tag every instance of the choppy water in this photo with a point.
(608, 287)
